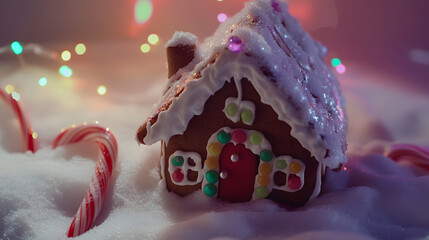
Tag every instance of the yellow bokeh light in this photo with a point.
(34, 135)
(145, 48)
(80, 49)
(66, 55)
(101, 90)
(9, 88)
(153, 39)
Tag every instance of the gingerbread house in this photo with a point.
(252, 113)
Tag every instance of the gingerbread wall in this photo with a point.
(201, 127)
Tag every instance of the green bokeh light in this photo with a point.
(65, 71)
(143, 11)
(16, 47)
(335, 62)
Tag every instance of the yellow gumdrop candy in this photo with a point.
(265, 168)
(263, 180)
(215, 149)
(295, 167)
(212, 163)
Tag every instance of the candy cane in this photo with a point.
(95, 195)
(416, 155)
(30, 137)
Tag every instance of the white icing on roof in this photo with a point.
(286, 67)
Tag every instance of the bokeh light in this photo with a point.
(221, 17)
(335, 62)
(143, 11)
(145, 48)
(16, 47)
(66, 55)
(9, 88)
(43, 81)
(34, 135)
(16, 96)
(65, 71)
(80, 49)
(101, 90)
(341, 69)
(153, 39)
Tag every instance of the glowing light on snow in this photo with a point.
(145, 48)
(16, 47)
(43, 81)
(153, 39)
(221, 17)
(65, 71)
(335, 62)
(16, 96)
(101, 90)
(66, 55)
(9, 88)
(80, 49)
(341, 69)
(143, 11)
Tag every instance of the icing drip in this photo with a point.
(318, 185)
(287, 70)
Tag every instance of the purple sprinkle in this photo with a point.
(235, 44)
(275, 5)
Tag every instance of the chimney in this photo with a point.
(180, 51)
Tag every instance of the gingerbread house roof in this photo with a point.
(284, 64)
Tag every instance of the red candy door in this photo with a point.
(238, 169)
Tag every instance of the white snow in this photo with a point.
(182, 38)
(39, 193)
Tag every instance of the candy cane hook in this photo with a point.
(30, 137)
(107, 156)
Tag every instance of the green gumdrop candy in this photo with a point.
(212, 176)
(210, 190)
(246, 116)
(266, 155)
(232, 109)
(256, 138)
(178, 161)
(261, 192)
(223, 137)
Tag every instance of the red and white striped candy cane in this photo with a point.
(96, 193)
(30, 137)
(416, 155)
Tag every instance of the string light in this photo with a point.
(341, 69)
(66, 55)
(80, 49)
(153, 39)
(221, 17)
(335, 62)
(16, 47)
(145, 48)
(16, 96)
(9, 88)
(101, 90)
(143, 11)
(65, 71)
(43, 81)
